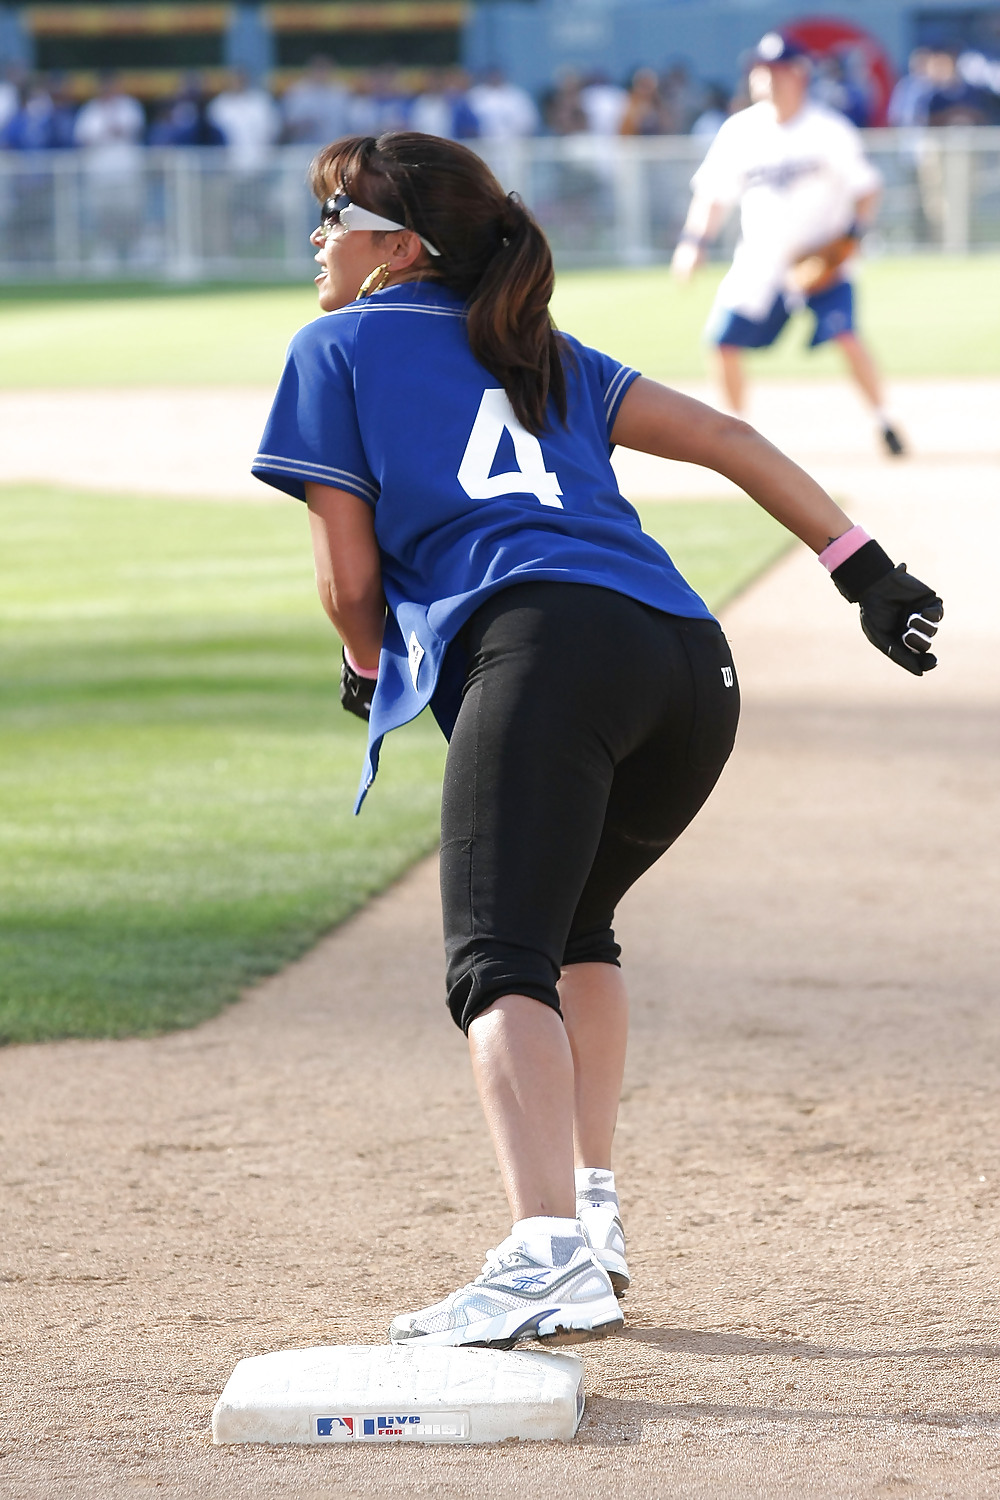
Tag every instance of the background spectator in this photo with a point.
(953, 101)
(983, 74)
(249, 122)
(443, 108)
(834, 87)
(315, 108)
(43, 117)
(646, 112)
(911, 96)
(683, 98)
(504, 110)
(714, 114)
(184, 121)
(32, 125)
(563, 112)
(378, 103)
(362, 110)
(30, 130)
(64, 112)
(10, 98)
(110, 129)
(604, 104)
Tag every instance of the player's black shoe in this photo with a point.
(892, 442)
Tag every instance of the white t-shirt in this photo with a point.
(8, 101)
(432, 114)
(604, 105)
(249, 123)
(503, 110)
(796, 185)
(110, 130)
(315, 111)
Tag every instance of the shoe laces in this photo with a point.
(499, 1260)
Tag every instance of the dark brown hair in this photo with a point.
(493, 253)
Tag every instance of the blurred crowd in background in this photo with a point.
(38, 113)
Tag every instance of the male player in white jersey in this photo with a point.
(806, 193)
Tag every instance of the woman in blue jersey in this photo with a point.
(475, 554)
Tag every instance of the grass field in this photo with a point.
(928, 316)
(176, 775)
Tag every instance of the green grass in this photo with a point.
(176, 776)
(720, 546)
(160, 338)
(924, 317)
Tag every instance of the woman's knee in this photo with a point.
(476, 982)
(592, 946)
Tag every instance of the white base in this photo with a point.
(392, 1393)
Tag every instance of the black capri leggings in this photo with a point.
(592, 729)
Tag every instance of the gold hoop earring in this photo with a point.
(374, 281)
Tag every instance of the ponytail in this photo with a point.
(493, 253)
(510, 326)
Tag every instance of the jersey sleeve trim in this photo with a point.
(297, 468)
(615, 393)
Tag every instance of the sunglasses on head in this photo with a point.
(340, 212)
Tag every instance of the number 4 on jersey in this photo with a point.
(495, 416)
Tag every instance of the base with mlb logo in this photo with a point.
(392, 1394)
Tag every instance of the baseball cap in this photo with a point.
(775, 47)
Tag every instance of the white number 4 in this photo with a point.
(495, 416)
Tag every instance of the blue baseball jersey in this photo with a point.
(383, 398)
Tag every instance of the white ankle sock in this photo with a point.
(595, 1185)
(547, 1239)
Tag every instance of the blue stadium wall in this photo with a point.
(531, 41)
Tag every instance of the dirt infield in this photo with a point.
(809, 1147)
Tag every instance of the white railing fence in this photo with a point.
(196, 214)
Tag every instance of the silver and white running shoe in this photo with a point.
(605, 1234)
(517, 1296)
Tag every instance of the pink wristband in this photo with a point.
(361, 671)
(844, 547)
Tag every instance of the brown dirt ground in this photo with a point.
(808, 1149)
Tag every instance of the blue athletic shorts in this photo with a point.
(833, 310)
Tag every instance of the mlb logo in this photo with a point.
(339, 1429)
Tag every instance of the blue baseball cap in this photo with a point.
(775, 47)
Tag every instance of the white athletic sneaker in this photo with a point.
(605, 1234)
(535, 1285)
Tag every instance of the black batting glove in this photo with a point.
(899, 614)
(356, 692)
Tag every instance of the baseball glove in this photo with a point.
(820, 268)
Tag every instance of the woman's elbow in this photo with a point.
(735, 430)
(344, 598)
(724, 440)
